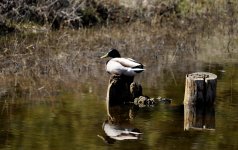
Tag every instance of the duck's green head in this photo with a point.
(113, 53)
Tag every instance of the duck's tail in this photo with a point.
(137, 70)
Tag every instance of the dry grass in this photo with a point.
(47, 63)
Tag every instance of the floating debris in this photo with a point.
(145, 101)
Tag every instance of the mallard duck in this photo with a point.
(122, 66)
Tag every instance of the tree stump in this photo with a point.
(199, 98)
(122, 89)
(200, 88)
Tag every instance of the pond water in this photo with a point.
(76, 120)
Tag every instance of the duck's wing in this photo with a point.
(128, 62)
(114, 67)
(131, 59)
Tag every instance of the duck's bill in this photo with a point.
(104, 56)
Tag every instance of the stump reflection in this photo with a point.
(121, 91)
(118, 124)
(199, 117)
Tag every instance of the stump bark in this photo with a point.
(199, 99)
(122, 89)
(200, 88)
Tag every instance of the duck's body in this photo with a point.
(122, 66)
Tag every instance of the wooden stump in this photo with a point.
(199, 98)
(122, 89)
(200, 88)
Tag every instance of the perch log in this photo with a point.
(122, 89)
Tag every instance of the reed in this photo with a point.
(45, 62)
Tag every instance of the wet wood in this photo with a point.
(122, 89)
(199, 99)
(200, 88)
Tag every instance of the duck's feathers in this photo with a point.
(130, 59)
(127, 62)
(124, 66)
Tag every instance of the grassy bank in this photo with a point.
(43, 63)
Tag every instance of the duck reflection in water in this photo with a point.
(120, 111)
(120, 133)
(118, 126)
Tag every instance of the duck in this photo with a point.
(118, 65)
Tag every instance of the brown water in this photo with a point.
(74, 120)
